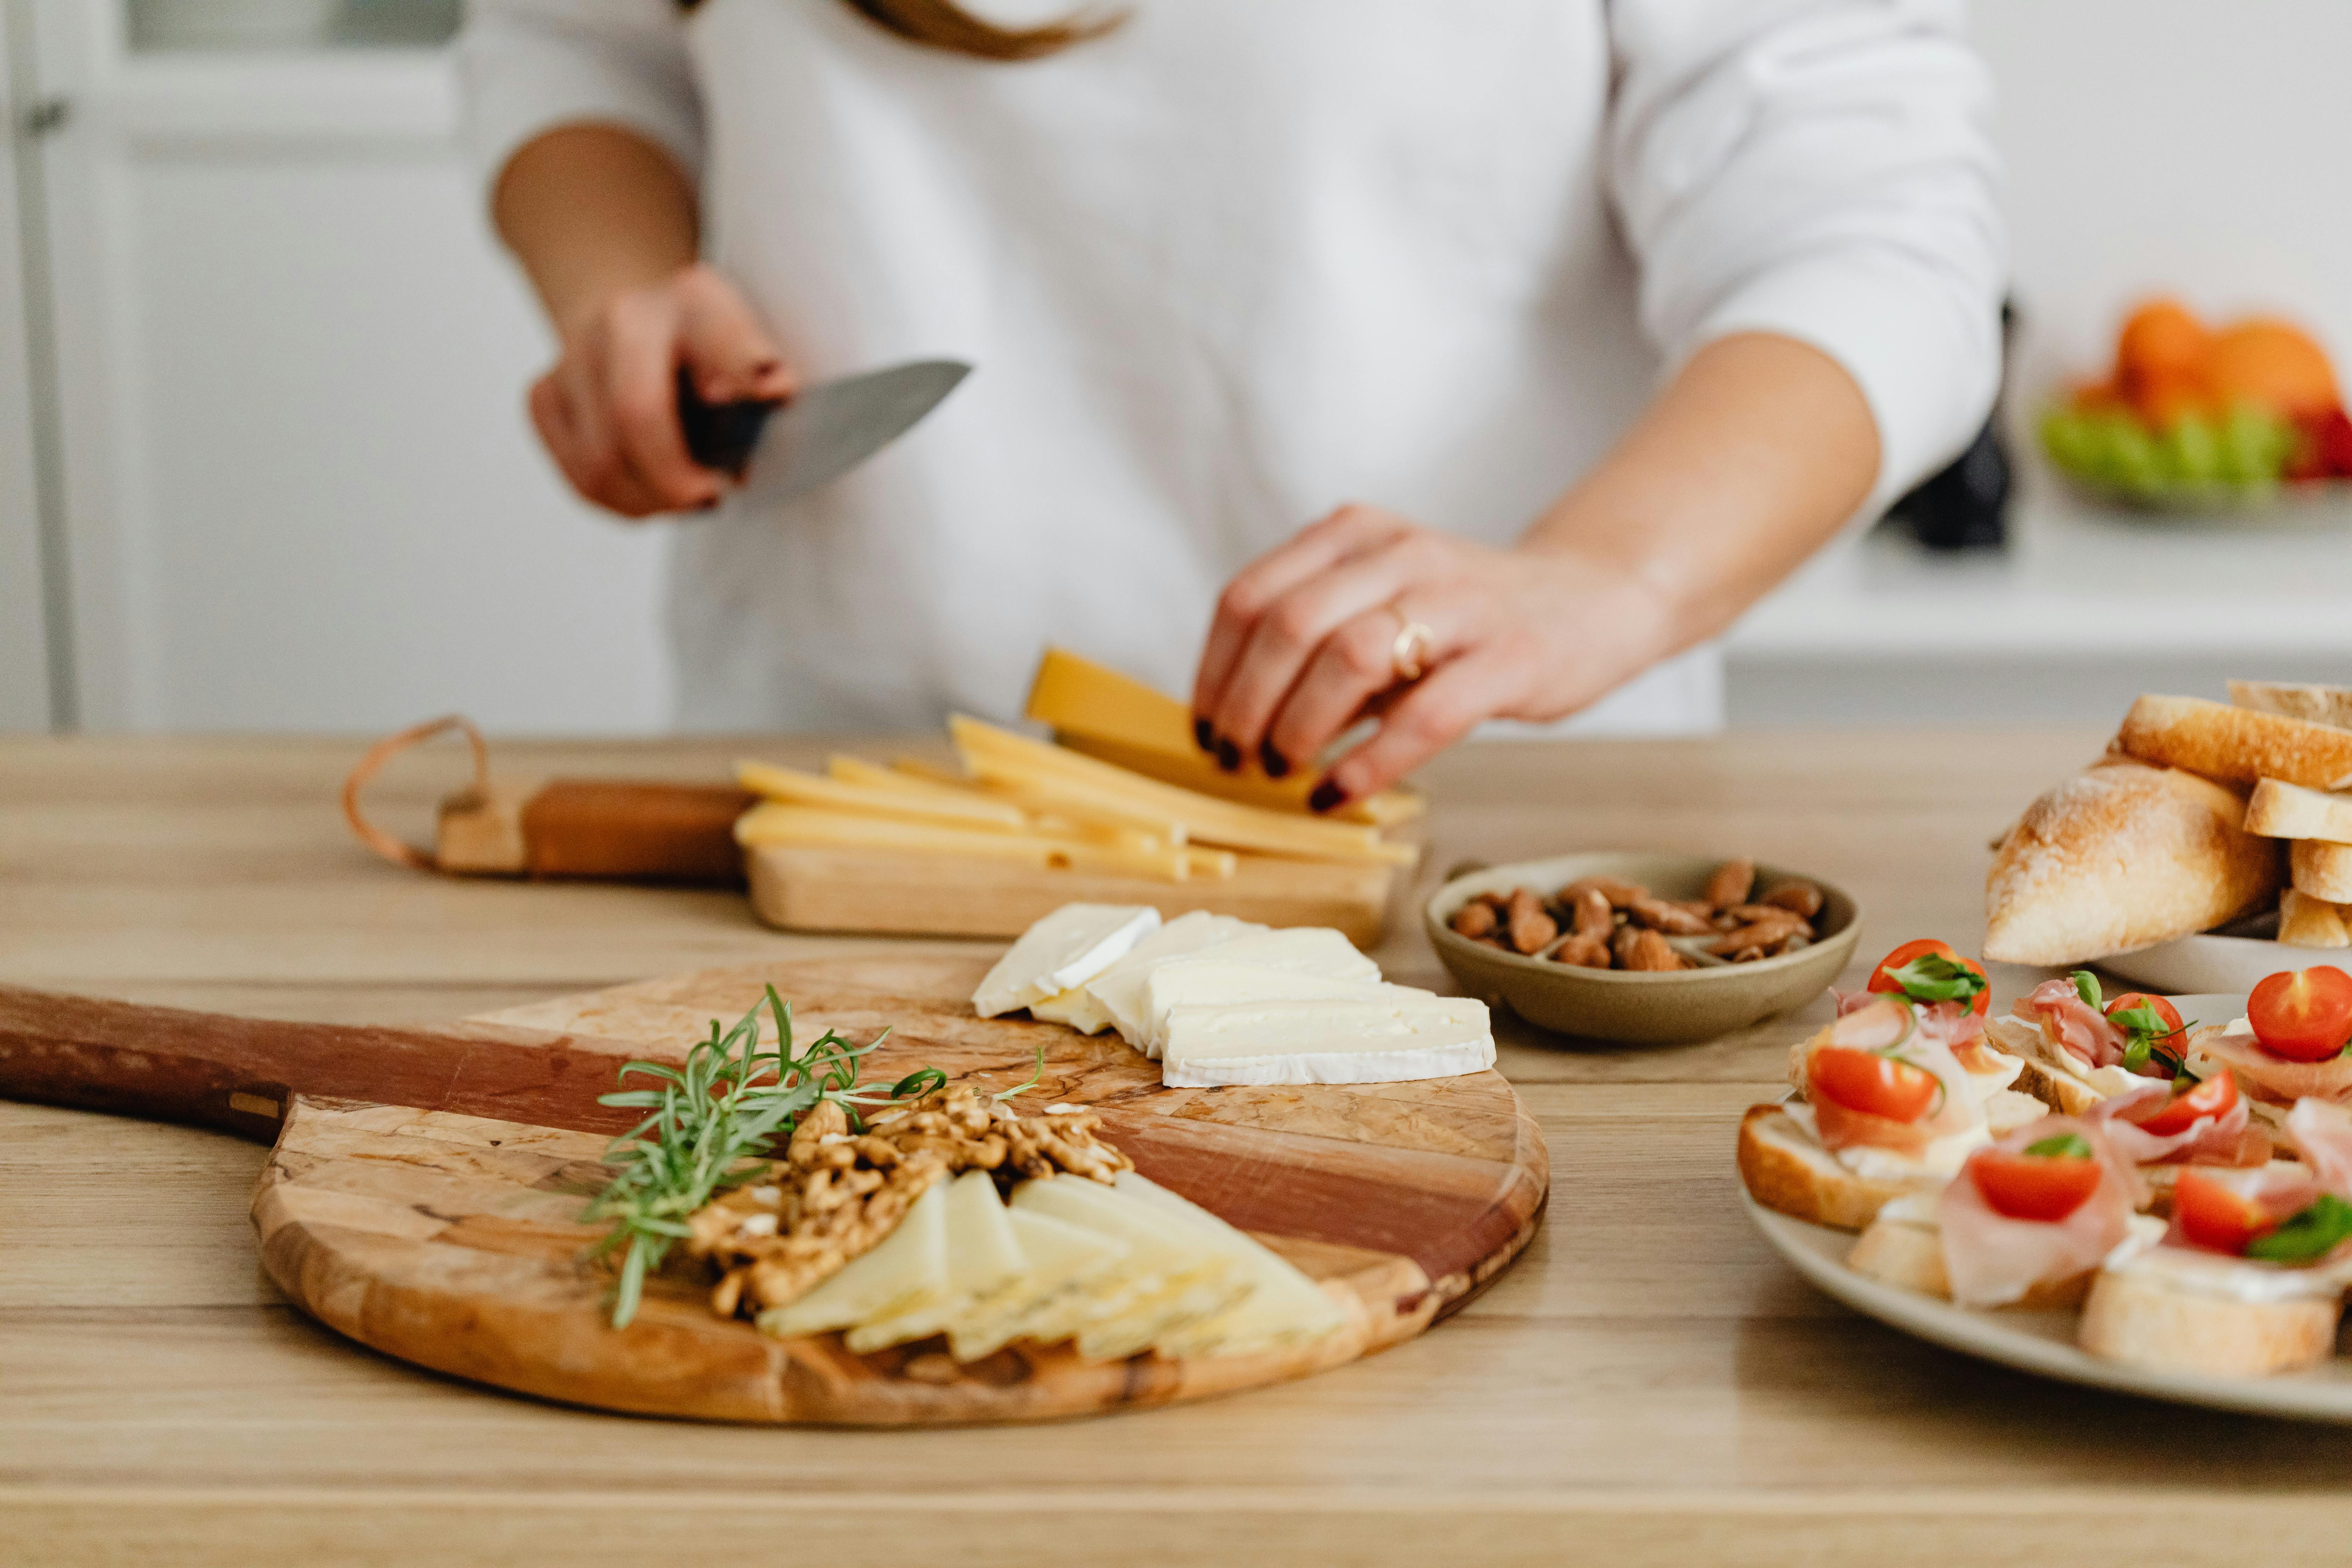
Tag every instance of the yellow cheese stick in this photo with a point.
(775, 821)
(1000, 754)
(976, 810)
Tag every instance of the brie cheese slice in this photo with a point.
(1086, 1006)
(1066, 948)
(906, 1269)
(1209, 981)
(1325, 1042)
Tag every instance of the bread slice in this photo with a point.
(2307, 921)
(2008, 1109)
(2290, 811)
(2123, 855)
(1786, 1170)
(2147, 1319)
(1908, 1254)
(2238, 745)
(2318, 704)
(2048, 1076)
(2320, 870)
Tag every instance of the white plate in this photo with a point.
(2041, 1342)
(2215, 963)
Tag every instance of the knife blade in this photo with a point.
(782, 450)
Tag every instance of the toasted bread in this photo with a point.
(2317, 704)
(2008, 1109)
(2290, 811)
(1786, 1170)
(2306, 921)
(2146, 1319)
(2238, 745)
(2123, 855)
(2048, 1075)
(2319, 869)
(1909, 1255)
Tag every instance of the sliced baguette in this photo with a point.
(2047, 1076)
(1909, 1255)
(2008, 1109)
(2290, 811)
(2318, 704)
(2238, 745)
(2307, 921)
(2143, 1318)
(1786, 1170)
(2123, 855)
(2320, 870)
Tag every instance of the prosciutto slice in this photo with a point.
(2086, 1035)
(2275, 1079)
(1960, 1030)
(2207, 1141)
(1993, 1260)
(2322, 1131)
(1882, 1026)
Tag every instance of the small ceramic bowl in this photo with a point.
(1674, 1009)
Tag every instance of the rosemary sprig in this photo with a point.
(711, 1122)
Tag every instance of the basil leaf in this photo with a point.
(2086, 986)
(2061, 1146)
(2307, 1234)
(2135, 1054)
(1932, 977)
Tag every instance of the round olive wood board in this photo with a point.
(449, 1237)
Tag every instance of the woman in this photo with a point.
(1611, 311)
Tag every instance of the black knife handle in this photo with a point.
(720, 435)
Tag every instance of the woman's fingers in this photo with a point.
(1291, 635)
(641, 347)
(562, 410)
(725, 345)
(1261, 585)
(1433, 714)
(1353, 667)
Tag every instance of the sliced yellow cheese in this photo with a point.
(1063, 1261)
(774, 822)
(1122, 721)
(1284, 1307)
(983, 1254)
(906, 1271)
(960, 808)
(1178, 1279)
(994, 753)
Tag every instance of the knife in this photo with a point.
(785, 448)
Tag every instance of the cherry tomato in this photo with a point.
(2034, 1186)
(2303, 1015)
(2212, 1098)
(1882, 977)
(2163, 1009)
(2213, 1215)
(1876, 1085)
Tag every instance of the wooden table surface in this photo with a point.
(1648, 1385)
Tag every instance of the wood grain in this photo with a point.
(1648, 1385)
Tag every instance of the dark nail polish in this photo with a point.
(1205, 734)
(1275, 764)
(1229, 756)
(1325, 798)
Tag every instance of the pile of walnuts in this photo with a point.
(1609, 924)
(837, 1194)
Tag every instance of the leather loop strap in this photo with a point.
(395, 850)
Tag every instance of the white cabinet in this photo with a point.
(299, 490)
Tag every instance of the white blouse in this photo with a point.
(1236, 263)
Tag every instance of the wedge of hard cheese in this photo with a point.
(2124, 856)
(2240, 745)
(1326, 1041)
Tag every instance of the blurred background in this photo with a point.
(264, 464)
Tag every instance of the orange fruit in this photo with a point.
(2161, 338)
(2161, 397)
(2271, 364)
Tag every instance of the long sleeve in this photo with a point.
(1820, 169)
(527, 65)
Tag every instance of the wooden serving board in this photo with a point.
(806, 888)
(424, 1193)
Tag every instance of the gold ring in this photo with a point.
(1413, 643)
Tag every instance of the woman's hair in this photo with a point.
(945, 25)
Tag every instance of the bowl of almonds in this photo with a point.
(1643, 949)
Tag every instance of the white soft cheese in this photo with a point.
(1209, 981)
(1086, 1007)
(2231, 1279)
(1326, 1041)
(1068, 948)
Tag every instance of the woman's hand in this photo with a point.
(608, 409)
(1306, 637)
